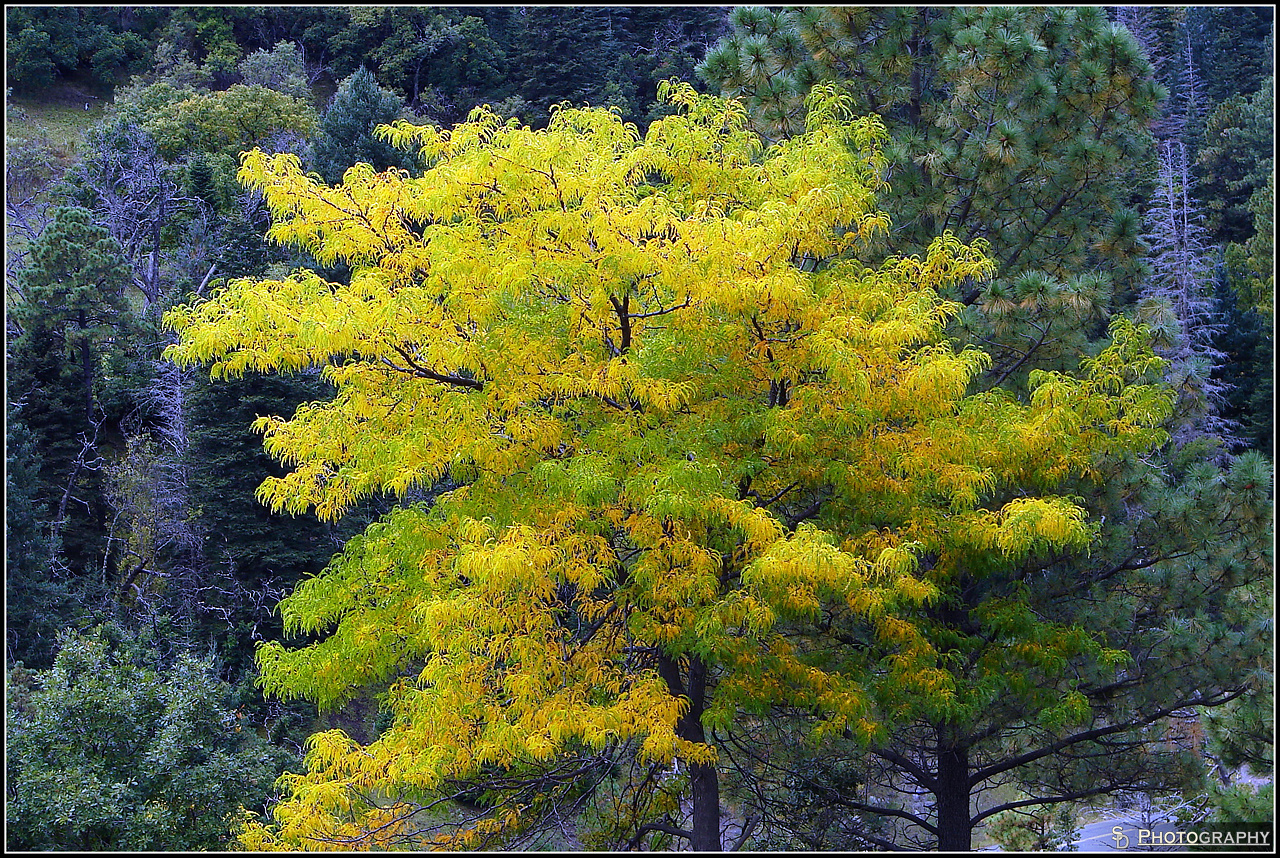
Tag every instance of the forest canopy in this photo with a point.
(823, 428)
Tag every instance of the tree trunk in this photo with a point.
(954, 823)
(706, 808)
(913, 107)
(704, 782)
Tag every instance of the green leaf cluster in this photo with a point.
(229, 121)
(108, 750)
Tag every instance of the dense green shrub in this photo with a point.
(111, 750)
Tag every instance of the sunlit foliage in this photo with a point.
(683, 419)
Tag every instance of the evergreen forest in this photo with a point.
(637, 428)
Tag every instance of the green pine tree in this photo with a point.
(1027, 128)
(1237, 157)
(1018, 126)
(72, 365)
(346, 137)
(38, 604)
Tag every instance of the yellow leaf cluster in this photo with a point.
(678, 415)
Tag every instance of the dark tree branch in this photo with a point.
(807, 513)
(417, 369)
(662, 312)
(922, 777)
(650, 827)
(748, 828)
(1102, 789)
(991, 771)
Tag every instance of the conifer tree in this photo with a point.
(70, 368)
(963, 117)
(73, 287)
(1021, 126)
(346, 136)
(1235, 161)
(37, 604)
(681, 428)
(1234, 48)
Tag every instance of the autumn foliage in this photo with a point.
(684, 422)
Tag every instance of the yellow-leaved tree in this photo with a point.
(680, 421)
